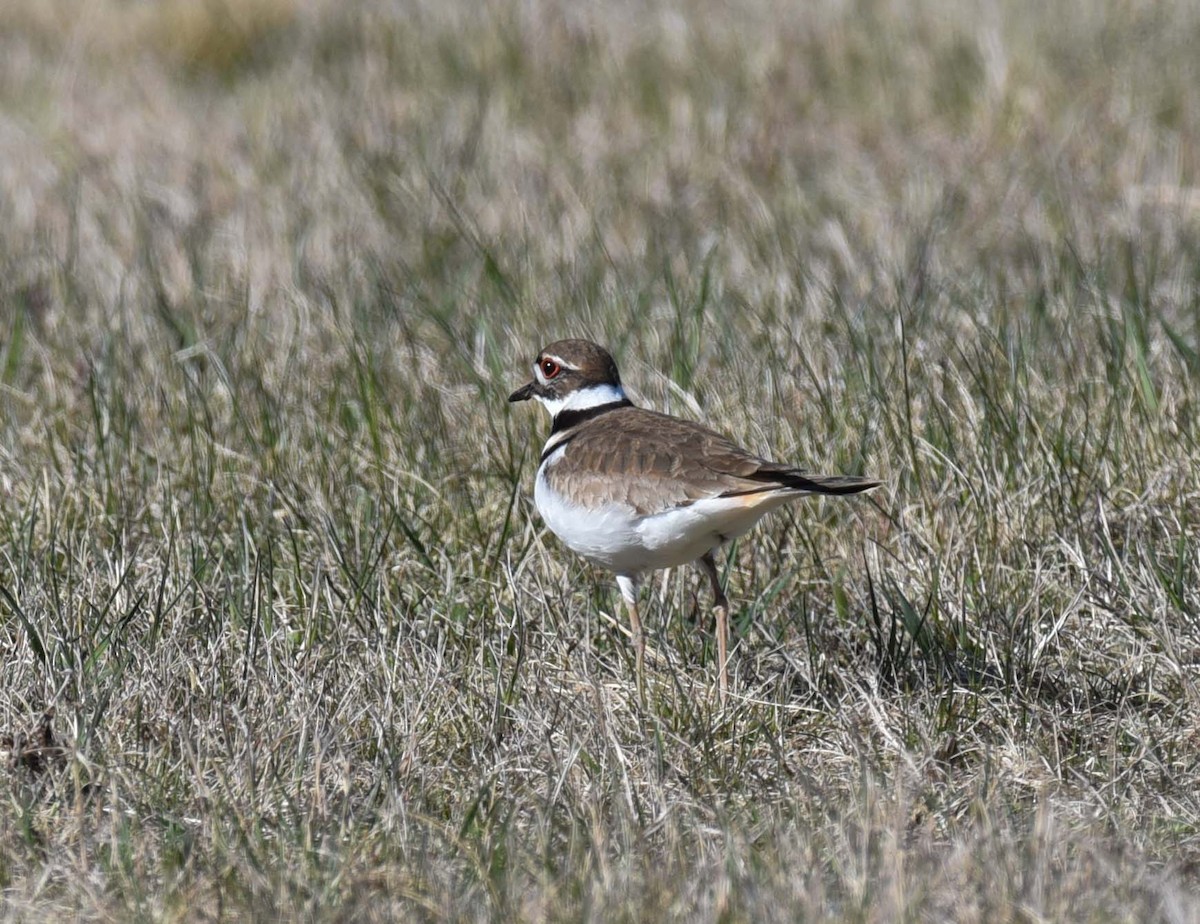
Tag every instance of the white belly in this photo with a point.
(618, 538)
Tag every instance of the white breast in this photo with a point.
(616, 537)
(605, 535)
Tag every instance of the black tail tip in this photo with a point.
(832, 484)
(847, 484)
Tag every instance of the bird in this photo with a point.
(635, 491)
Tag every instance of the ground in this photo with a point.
(282, 634)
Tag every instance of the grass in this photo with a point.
(282, 634)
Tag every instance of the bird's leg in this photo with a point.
(629, 591)
(721, 611)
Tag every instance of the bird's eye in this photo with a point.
(550, 368)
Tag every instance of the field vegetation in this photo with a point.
(281, 635)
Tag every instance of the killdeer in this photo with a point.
(633, 490)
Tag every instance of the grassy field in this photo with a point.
(281, 634)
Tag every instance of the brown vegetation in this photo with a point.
(268, 271)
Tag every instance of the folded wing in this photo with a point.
(653, 462)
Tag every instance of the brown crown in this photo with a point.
(595, 364)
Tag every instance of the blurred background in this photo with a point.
(536, 166)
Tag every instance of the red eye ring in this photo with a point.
(549, 367)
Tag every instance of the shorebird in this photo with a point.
(633, 490)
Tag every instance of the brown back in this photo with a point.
(653, 462)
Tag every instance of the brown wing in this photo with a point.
(654, 462)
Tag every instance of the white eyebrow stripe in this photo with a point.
(562, 362)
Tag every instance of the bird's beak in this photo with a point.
(524, 393)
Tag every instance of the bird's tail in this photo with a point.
(776, 477)
(826, 484)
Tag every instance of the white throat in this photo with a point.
(584, 398)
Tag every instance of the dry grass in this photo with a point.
(266, 547)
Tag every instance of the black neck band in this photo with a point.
(565, 420)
